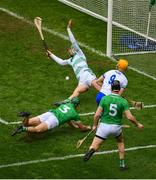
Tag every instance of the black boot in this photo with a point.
(24, 114)
(88, 155)
(124, 168)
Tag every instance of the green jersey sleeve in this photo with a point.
(101, 104)
(125, 105)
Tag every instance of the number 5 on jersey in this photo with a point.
(113, 110)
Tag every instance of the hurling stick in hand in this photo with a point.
(81, 141)
(38, 24)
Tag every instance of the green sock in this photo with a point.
(122, 163)
(24, 128)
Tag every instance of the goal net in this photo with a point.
(133, 23)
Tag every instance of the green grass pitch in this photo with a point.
(30, 81)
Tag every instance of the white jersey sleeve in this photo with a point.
(74, 42)
(124, 83)
(59, 60)
(109, 77)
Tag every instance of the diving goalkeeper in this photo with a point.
(78, 62)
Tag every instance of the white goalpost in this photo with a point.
(109, 28)
(131, 24)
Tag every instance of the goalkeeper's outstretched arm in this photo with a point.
(70, 34)
(57, 59)
(72, 38)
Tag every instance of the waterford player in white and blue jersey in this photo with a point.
(107, 78)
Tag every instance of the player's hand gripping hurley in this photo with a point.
(136, 104)
(38, 24)
(81, 141)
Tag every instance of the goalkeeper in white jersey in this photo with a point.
(108, 77)
(86, 78)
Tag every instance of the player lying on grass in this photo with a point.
(79, 64)
(110, 112)
(54, 117)
(108, 77)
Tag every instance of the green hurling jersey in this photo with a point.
(113, 107)
(65, 113)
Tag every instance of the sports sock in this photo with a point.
(122, 163)
(24, 128)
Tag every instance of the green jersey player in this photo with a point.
(78, 62)
(65, 113)
(110, 112)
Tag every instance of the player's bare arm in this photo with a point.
(133, 119)
(48, 52)
(79, 125)
(96, 118)
(122, 90)
(100, 80)
(72, 124)
(82, 127)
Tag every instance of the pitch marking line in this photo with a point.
(71, 157)
(132, 108)
(77, 155)
(60, 35)
(2, 121)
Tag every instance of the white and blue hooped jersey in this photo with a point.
(109, 77)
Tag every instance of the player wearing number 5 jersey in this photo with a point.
(110, 111)
(85, 76)
(107, 78)
(65, 113)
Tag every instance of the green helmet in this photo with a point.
(75, 101)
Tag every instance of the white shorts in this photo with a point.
(86, 78)
(50, 119)
(104, 130)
